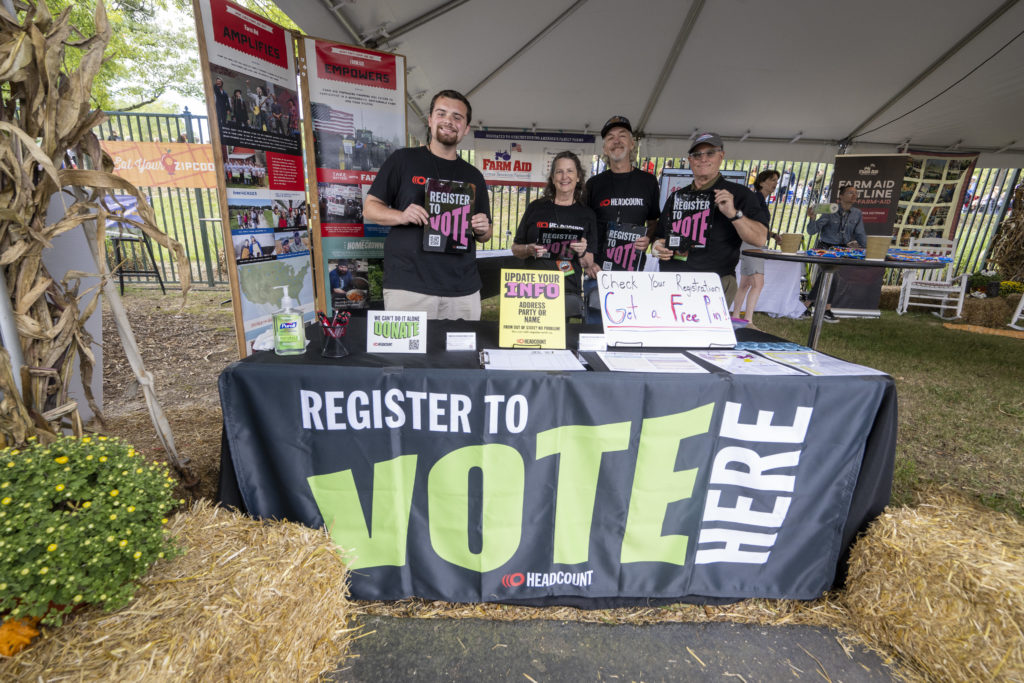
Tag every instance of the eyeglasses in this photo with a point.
(705, 155)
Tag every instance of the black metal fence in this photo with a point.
(193, 216)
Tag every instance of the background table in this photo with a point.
(781, 294)
(828, 266)
(586, 488)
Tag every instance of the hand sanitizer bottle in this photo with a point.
(289, 335)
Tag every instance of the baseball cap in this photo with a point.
(616, 121)
(713, 139)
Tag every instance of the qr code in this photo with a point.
(414, 344)
(434, 240)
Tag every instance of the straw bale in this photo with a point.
(941, 585)
(988, 312)
(248, 600)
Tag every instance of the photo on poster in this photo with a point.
(255, 112)
(932, 234)
(245, 167)
(905, 237)
(946, 193)
(916, 215)
(288, 214)
(901, 211)
(913, 168)
(340, 203)
(934, 169)
(260, 297)
(957, 167)
(349, 281)
(248, 214)
(371, 229)
(291, 243)
(907, 190)
(927, 192)
(254, 246)
(938, 215)
(351, 140)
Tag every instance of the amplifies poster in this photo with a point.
(356, 100)
(249, 68)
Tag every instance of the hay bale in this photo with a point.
(942, 585)
(988, 312)
(889, 298)
(248, 600)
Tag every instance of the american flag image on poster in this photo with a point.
(328, 120)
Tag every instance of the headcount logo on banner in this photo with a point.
(348, 65)
(238, 28)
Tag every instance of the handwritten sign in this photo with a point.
(664, 309)
(532, 309)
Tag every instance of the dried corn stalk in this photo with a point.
(1008, 244)
(45, 113)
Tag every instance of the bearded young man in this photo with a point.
(445, 285)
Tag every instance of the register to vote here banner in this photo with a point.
(495, 486)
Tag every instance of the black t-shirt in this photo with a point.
(632, 197)
(717, 247)
(544, 213)
(407, 266)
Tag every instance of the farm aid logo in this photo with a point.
(502, 161)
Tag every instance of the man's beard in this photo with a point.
(447, 137)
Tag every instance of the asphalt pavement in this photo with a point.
(403, 649)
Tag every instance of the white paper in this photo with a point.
(744, 363)
(592, 342)
(530, 359)
(815, 363)
(624, 361)
(461, 341)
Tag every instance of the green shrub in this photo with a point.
(80, 521)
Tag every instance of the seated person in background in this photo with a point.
(560, 208)
(752, 269)
(844, 228)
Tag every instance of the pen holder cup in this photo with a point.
(878, 247)
(790, 242)
(333, 346)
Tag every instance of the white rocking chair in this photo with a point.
(1017, 315)
(936, 288)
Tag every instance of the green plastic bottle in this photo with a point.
(289, 335)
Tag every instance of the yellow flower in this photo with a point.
(6, 501)
(87, 504)
(123, 542)
(86, 440)
(137, 555)
(110, 539)
(113, 517)
(114, 492)
(89, 457)
(61, 460)
(77, 598)
(131, 508)
(5, 485)
(163, 521)
(50, 548)
(59, 487)
(102, 438)
(138, 470)
(44, 570)
(103, 458)
(131, 452)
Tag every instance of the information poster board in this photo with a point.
(682, 310)
(877, 178)
(249, 69)
(524, 159)
(355, 100)
(531, 310)
(935, 188)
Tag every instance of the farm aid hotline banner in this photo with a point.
(525, 158)
(255, 108)
(513, 488)
(357, 117)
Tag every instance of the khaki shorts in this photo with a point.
(437, 307)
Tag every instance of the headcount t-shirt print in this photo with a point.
(450, 205)
(690, 221)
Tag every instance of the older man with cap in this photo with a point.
(622, 196)
(704, 224)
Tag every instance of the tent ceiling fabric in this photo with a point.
(779, 70)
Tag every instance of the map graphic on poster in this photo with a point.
(250, 65)
(356, 120)
(525, 158)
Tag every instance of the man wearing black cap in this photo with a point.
(703, 224)
(622, 197)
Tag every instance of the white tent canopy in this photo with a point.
(794, 79)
